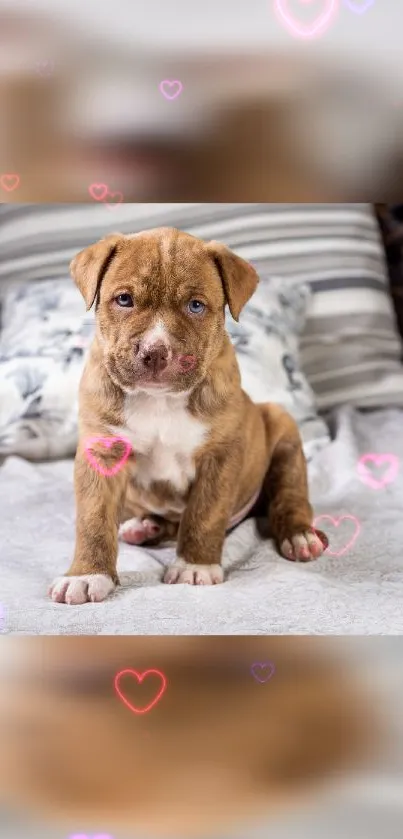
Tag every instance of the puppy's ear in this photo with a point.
(89, 267)
(239, 279)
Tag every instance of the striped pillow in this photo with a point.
(350, 349)
(390, 218)
(350, 345)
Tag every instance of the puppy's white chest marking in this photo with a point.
(164, 436)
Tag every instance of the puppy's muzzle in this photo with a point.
(154, 358)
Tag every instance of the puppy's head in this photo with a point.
(160, 301)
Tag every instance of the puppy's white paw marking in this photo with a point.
(303, 547)
(194, 575)
(88, 588)
(137, 531)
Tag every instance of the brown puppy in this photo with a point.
(162, 373)
(218, 751)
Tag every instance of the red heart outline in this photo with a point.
(140, 677)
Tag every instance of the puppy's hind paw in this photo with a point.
(139, 531)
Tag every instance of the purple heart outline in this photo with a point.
(359, 9)
(261, 677)
(92, 836)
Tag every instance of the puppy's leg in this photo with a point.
(99, 499)
(286, 486)
(204, 523)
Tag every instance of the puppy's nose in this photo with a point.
(155, 358)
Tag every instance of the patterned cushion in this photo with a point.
(266, 341)
(42, 350)
(48, 332)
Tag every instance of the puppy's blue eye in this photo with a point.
(124, 300)
(196, 307)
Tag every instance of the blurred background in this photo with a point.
(315, 751)
(258, 100)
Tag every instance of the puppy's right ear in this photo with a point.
(238, 277)
(89, 267)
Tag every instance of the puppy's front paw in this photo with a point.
(87, 588)
(303, 547)
(194, 575)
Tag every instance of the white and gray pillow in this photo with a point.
(266, 342)
(350, 344)
(42, 348)
(47, 334)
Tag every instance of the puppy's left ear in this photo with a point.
(89, 267)
(239, 279)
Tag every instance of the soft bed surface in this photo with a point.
(358, 591)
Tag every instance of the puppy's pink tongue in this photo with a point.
(187, 362)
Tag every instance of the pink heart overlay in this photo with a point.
(98, 191)
(336, 522)
(10, 182)
(118, 196)
(108, 442)
(140, 678)
(378, 460)
(263, 671)
(302, 30)
(171, 89)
